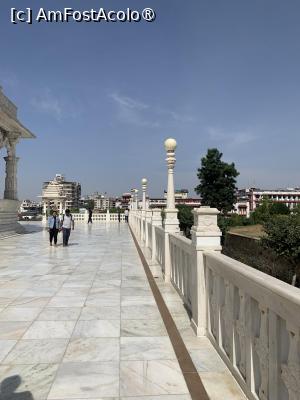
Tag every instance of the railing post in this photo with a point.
(155, 221)
(148, 218)
(86, 216)
(171, 224)
(206, 236)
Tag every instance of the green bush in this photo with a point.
(283, 237)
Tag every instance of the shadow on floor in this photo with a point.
(8, 389)
(30, 228)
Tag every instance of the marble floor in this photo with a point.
(80, 322)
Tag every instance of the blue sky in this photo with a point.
(102, 98)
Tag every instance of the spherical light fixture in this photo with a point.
(170, 144)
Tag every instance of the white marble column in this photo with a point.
(171, 223)
(10, 192)
(136, 199)
(144, 188)
(143, 219)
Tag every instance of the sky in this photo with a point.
(101, 98)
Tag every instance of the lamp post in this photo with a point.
(143, 219)
(136, 193)
(171, 212)
(144, 188)
(171, 224)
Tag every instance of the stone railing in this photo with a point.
(159, 238)
(97, 217)
(251, 318)
(181, 266)
(254, 322)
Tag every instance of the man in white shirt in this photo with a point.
(126, 215)
(67, 225)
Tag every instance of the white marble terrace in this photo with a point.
(81, 323)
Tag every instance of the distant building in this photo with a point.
(242, 205)
(124, 201)
(181, 197)
(248, 199)
(102, 202)
(60, 194)
(290, 196)
(180, 194)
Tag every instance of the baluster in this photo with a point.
(241, 331)
(261, 345)
(227, 312)
(208, 280)
(290, 371)
(214, 312)
(185, 277)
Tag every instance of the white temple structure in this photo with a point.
(54, 196)
(11, 131)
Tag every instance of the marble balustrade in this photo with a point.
(98, 217)
(252, 319)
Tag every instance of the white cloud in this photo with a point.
(49, 104)
(133, 111)
(128, 102)
(232, 139)
(138, 113)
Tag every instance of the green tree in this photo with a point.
(266, 209)
(217, 186)
(262, 212)
(283, 236)
(185, 218)
(279, 209)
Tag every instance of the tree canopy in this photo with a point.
(217, 186)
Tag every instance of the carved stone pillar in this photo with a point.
(205, 237)
(10, 192)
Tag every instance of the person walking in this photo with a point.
(53, 227)
(119, 215)
(126, 215)
(67, 225)
(90, 216)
